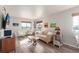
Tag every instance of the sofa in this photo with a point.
(45, 36)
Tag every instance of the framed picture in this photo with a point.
(15, 24)
(53, 25)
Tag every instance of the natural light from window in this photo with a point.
(26, 25)
(76, 24)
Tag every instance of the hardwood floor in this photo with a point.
(23, 45)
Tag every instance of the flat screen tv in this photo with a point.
(7, 33)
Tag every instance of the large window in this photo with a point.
(26, 25)
(76, 24)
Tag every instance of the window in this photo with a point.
(38, 25)
(26, 25)
(76, 24)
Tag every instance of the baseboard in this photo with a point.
(69, 46)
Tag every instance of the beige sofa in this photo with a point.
(45, 36)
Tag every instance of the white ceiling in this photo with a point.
(35, 11)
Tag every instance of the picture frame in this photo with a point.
(53, 25)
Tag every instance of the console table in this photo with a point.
(7, 44)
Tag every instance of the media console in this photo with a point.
(7, 44)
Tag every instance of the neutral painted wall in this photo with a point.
(0, 19)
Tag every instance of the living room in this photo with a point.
(41, 22)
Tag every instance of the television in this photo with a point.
(7, 33)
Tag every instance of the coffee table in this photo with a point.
(33, 39)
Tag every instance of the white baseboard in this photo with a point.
(70, 45)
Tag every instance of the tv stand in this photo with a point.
(7, 44)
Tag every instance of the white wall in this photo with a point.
(0, 23)
(64, 19)
(0, 20)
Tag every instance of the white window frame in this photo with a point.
(76, 24)
(26, 26)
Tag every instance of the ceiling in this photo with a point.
(35, 11)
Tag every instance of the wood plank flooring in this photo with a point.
(23, 45)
